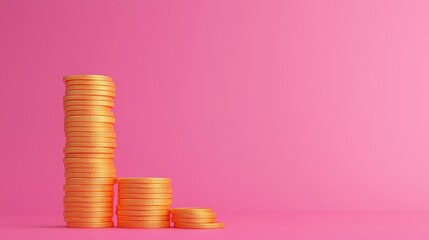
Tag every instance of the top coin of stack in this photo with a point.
(89, 152)
(195, 218)
(144, 202)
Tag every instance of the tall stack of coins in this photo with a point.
(195, 218)
(144, 202)
(89, 152)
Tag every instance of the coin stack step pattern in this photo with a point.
(89, 151)
(195, 218)
(144, 202)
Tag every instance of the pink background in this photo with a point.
(249, 106)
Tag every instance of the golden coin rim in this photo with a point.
(87, 76)
(200, 225)
(143, 180)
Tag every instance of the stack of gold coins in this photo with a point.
(89, 152)
(195, 218)
(144, 202)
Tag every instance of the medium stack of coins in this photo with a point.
(195, 218)
(144, 202)
(89, 152)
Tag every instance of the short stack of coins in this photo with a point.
(144, 202)
(89, 152)
(197, 218)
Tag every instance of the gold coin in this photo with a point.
(143, 213)
(144, 218)
(97, 119)
(200, 225)
(143, 180)
(89, 188)
(89, 220)
(90, 165)
(90, 170)
(89, 194)
(194, 215)
(89, 113)
(152, 185)
(144, 190)
(91, 175)
(89, 124)
(91, 134)
(88, 108)
(190, 210)
(88, 204)
(87, 77)
(91, 93)
(89, 225)
(91, 144)
(193, 220)
(88, 214)
(91, 156)
(101, 161)
(110, 104)
(83, 97)
(91, 82)
(144, 224)
(88, 199)
(145, 201)
(91, 139)
(145, 195)
(88, 150)
(142, 208)
(90, 87)
(89, 129)
(81, 209)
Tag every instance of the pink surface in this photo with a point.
(247, 105)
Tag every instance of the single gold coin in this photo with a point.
(110, 104)
(88, 214)
(144, 190)
(145, 195)
(82, 209)
(102, 161)
(89, 124)
(87, 77)
(92, 144)
(190, 210)
(92, 156)
(90, 165)
(90, 170)
(89, 220)
(200, 225)
(91, 82)
(152, 185)
(144, 224)
(87, 108)
(193, 220)
(142, 207)
(91, 139)
(92, 134)
(90, 87)
(88, 150)
(89, 188)
(143, 180)
(91, 93)
(100, 119)
(90, 181)
(143, 213)
(145, 201)
(194, 215)
(91, 175)
(144, 218)
(89, 225)
(89, 194)
(89, 129)
(83, 97)
(88, 204)
(89, 113)
(88, 199)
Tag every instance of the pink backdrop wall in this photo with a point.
(247, 105)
